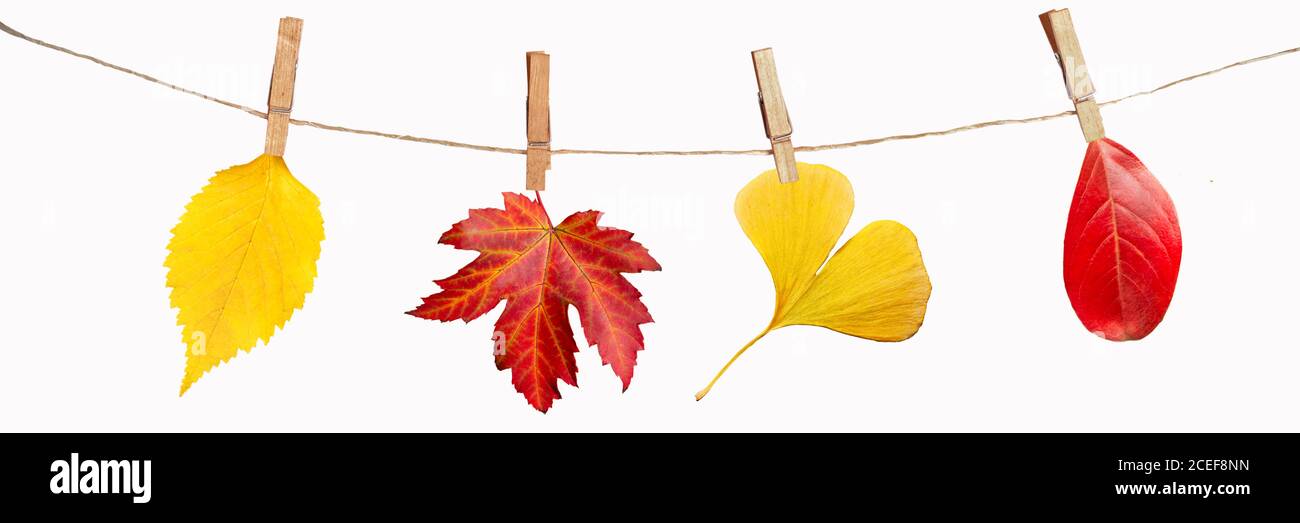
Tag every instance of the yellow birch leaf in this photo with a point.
(241, 260)
(874, 287)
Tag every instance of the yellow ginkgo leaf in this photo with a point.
(241, 260)
(874, 287)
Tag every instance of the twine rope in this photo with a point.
(702, 152)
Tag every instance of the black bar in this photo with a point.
(647, 471)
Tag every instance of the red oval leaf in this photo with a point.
(1122, 245)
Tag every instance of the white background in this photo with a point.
(98, 166)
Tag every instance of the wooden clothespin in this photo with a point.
(775, 120)
(1065, 44)
(280, 99)
(539, 119)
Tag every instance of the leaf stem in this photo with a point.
(549, 223)
(700, 395)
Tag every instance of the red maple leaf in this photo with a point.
(541, 269)
(1123, 245)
